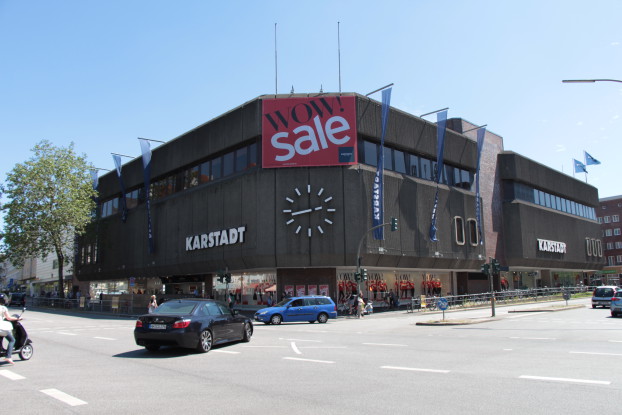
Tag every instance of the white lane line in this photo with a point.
(63, 397)
(307, 360)
(615, 341)
(523, 315)
(66, 334)
(598, 353)
(593, 382)
(11, 375)
(534, 338)
(414, 369)
(301, 340)
(104, 338)
(266, 347)
(385, 344)
(295, 348)
(507, 350)
(225, 351)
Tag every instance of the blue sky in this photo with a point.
(102, 73)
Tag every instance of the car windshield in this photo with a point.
(175, 307)
(283, 302)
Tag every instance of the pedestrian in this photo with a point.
(4, 312)
(360, 306)
(153, 304)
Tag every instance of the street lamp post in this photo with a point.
(588, 81)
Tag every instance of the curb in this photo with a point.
(548, 310)
(455, 322)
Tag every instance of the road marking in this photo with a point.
(225, 351)
(270, 347)
(615, 341)
(414, 369)
(66, 334)
(63, 397)
(300, 340)
(104, 338)
(593, 382)
(386, 344)
(507, 350)
(534, 338)
(295, 348)
(11, 375)
(598, 353)
(307, 360)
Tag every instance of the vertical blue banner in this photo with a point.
(117, 162)
(441, 123)
(478, 208)
(377, 203)
(146, 151)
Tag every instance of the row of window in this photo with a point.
(618, 245)
(213, 169)
(609, 219)
(520, 191)
(607, 232)
(614, 260)
(414, 165)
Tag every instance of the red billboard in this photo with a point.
(318, 131)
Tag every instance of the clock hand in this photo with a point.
(300, 212)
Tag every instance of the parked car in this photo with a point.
(191, 323)
(616, 304)
(308, 308)
(18, 299)
(602, 296)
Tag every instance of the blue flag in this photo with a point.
(117, 162)
(146, 151)
(94, 179)
(579, 167)
(441, 122)
(478, 207)
(589, 159)
(377, 202)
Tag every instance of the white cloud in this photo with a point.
(615, 43)
(580, 123)
(560, 148)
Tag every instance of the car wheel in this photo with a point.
(322, 318)
(26, 352)
(152, 347)
(276, 319)
(205, 341)
(248, 333)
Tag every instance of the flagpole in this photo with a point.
(339, 55)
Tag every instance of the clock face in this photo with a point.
(315, 204)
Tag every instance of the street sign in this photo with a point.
(442, 303)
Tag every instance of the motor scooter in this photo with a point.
(23, 345)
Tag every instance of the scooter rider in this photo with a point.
(4, 313)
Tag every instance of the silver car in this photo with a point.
(602, 296)
(616, 304)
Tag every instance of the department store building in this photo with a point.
(278, 192)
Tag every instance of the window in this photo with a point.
(192, 177)
(425, 168)
(400, 164)
(388, 158)
(611, 260)
(473, 232)
(607, 232)
(370, 153)
(615, 218)
(616, 231)
(241, 159)
(600, 220)
(252, 155)
(228, 166)
(618, 245)
(607, 219)
(414, 165)
(217, 168)
(205, 172)
(609, 245)
(459, 229)
(618, 259)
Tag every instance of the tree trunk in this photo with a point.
(61, 282)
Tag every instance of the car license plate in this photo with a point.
(157, 326)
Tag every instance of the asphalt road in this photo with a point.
(520, 363)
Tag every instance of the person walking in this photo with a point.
(4, 313)
(153, 304)
(360, 309)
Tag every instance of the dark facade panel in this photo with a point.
(524, 224)
(515, 167)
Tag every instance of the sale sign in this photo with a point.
(318, 131)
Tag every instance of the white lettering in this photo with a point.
(229, 236)
(224, 238)
(196, 244)
(330, 131)
(285, 146)
(312, 146)
(551, 246)
(189, 243)
(203, 241)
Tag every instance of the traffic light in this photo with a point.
(496, 267)
(364, 274)
(393, 224)
(227, 278)
(357, 276)
(221, 277)
(486, 269)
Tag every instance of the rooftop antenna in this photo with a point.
(339, 55)
(292, 91)
(275, 64)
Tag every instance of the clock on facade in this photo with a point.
(313, 203)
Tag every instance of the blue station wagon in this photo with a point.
(309, 308)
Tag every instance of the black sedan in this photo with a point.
(191, 323)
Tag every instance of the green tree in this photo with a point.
(50, 200)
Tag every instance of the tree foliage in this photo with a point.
(50, 200)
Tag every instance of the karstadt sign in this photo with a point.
(551, 246)
(229, 236)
